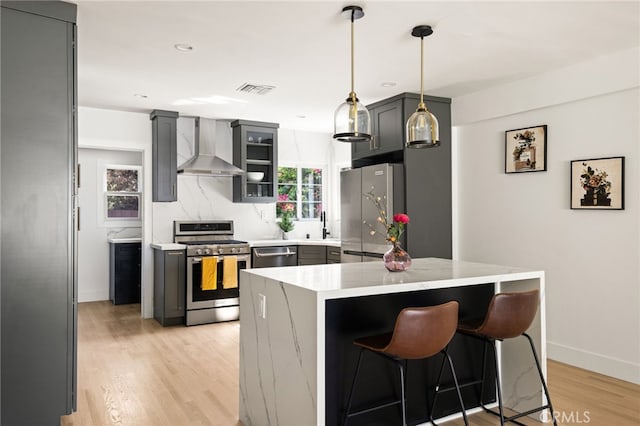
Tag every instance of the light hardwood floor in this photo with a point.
(133, 371)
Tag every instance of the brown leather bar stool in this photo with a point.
(418, 333)
(509, 315)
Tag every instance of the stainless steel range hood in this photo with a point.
(204, 161)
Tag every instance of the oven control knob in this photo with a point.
(198, 252)
(207, 251)
(233, 250)
(220, 250)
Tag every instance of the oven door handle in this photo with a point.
(241, 258)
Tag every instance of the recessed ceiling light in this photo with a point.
(140, 95)
(183, 47)
(301, 116)
(388, 84)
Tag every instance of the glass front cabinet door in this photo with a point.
(255, 148)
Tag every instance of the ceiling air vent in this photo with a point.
(257, 89)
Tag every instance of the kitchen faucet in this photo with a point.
(323, 218)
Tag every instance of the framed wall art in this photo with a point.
(526, 150)
(598, 184)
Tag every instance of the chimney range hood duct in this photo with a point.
(204, 162)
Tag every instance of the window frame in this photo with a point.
(299, 185)
(103, 198)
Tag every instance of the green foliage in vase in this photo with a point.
(286, 224)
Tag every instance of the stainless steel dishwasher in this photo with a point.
(267, 257)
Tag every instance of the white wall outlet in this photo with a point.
(262, 306)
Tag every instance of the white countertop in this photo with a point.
(125, 240)
(368, 278)
(168, 246)
(332, 242)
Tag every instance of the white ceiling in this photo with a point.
(302, 48)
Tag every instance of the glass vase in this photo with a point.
(396, 259)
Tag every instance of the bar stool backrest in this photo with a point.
(509, 314)
(423, 332)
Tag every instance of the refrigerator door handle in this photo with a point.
(370, 254)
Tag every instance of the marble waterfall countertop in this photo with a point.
(332, 242)
(368, 278)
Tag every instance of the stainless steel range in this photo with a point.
(212, 297)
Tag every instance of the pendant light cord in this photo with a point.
(353, 12)
(421, 70)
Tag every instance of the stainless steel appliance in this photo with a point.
(359, 215)
(266, 257)
(203, 239)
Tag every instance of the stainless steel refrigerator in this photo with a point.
(358, 215)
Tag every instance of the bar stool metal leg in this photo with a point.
(455, 381)
(544, 384)
(446, 358)
(498, 387)
(353, 385)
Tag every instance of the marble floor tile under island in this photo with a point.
(297, 325)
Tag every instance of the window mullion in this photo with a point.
(299, 193)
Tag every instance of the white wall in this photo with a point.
(93, 236)
(119, 130)
(591, 258)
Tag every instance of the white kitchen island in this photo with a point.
(297, 324)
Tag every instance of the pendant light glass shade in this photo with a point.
(422, 126)
(422, 130)
(352, 122)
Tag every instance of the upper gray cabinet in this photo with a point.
(164, 155)
(388, 120)
(255, 150)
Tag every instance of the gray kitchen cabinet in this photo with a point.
(124, 272)
(255, 149)
(333, 254)
(38, 163)
(164, 160)
(169, 286)
(312, 255)
(388, 125)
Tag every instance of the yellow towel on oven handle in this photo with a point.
(230, 272)
(209, 273)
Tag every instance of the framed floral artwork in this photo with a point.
(526, 150)
(598, 184)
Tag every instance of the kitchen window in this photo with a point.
(122, 194)
(300, 192)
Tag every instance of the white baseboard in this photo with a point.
(614, 367)
(93, 296)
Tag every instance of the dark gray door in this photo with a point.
(37, 156)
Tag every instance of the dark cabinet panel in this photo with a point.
(255, 149)
(164, 155)
(169, 286)
(38, 159)
(428, 189)
(333, 254)
(124, 273)
(312, 255)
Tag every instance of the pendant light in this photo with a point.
(351, 120)
(422, 126)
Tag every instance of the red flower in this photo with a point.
(401, 218)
